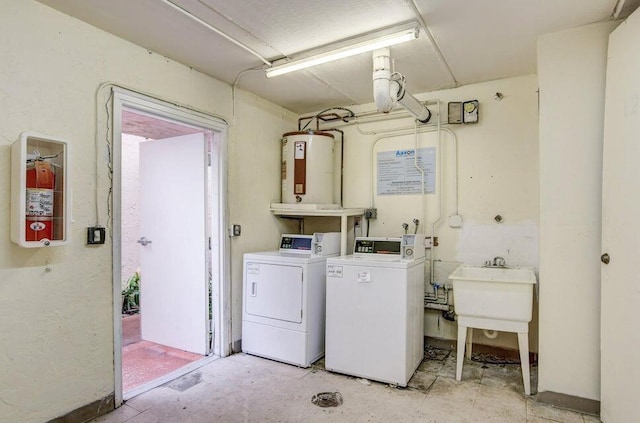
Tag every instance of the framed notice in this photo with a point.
(398, 174)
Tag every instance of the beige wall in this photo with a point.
(254, 183)
(571, 71)
(57, 343)
(56, 331)
(497, 174)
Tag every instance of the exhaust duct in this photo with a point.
(389, 88)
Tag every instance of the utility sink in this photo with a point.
(501, 293)
(493, 298)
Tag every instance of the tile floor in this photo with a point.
(130, 329)
(144, 361)
(244, 388)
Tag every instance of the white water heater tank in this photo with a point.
(307, 167)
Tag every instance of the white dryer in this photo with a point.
(283, 312)
(375, 309)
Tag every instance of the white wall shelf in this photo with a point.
(343, 214)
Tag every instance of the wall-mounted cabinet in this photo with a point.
(40, 191)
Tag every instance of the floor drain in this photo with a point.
(327, 399)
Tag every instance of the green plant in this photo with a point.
(131, 295)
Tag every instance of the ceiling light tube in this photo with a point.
(341, 53)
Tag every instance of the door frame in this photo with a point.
(220, 251)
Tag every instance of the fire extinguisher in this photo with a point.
(40, 200)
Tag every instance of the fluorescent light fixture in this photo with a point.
(346, 51)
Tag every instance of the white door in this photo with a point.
(173, 295)
(620, 329)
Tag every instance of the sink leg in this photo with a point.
(469, 342)
(523, 344)
(462, 335)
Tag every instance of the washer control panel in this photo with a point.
(318, 244)
(413, 247)
(387, 246)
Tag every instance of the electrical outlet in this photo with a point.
(235, 230)
(371, 213)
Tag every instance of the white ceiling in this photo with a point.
(480, 40)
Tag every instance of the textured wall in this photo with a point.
(254, 183)
(497, 174)
(56, 331)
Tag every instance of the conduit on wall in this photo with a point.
(389, 89)
(439, 302)
(415, 130)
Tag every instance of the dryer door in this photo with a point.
(274, 291)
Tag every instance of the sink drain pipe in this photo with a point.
(491, 334)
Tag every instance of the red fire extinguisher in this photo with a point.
(40, 201)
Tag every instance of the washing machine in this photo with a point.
(375, 309)
(283, 314)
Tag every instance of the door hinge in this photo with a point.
(209, 159)
(209, 242)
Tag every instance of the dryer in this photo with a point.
(283, 314)
(375, 309)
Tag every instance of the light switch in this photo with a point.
(95, 235)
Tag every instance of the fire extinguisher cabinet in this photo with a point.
(40, 192)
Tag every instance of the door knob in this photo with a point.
(144, 241)
(605, 258)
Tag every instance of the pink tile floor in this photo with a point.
(144, 361)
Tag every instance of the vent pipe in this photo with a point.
(389, 88)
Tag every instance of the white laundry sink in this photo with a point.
(493, 298)
(504, 294)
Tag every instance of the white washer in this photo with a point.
(283, 310)
(375, 309)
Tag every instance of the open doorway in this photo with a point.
(169, 242)
(155, 342)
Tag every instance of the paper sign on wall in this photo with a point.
(397, 172)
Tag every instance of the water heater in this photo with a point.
(307, 167)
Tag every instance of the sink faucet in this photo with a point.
(497, 262)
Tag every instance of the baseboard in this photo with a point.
(583, 405)
(89, 411)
